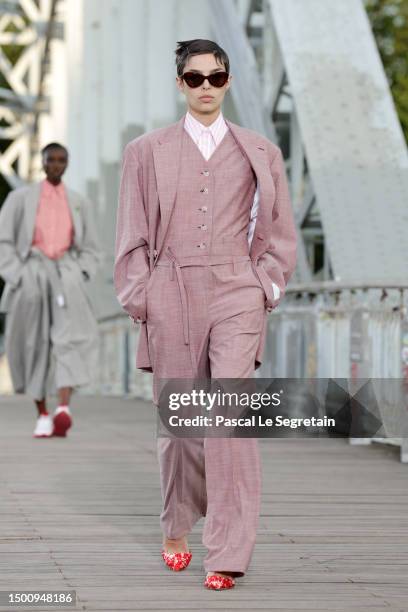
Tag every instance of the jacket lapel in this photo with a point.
(75, 208)
(255, 150)
(166, 157)
(32, 200)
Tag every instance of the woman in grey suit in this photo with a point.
(48, 251)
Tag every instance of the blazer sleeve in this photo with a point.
(11, 266)
(131, 268)
(279, 259)
(90, 254)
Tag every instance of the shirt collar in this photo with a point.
(195, 127)
(48, 186)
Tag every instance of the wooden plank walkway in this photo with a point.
(82, 513)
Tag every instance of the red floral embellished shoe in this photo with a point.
(176, 561)
(219, 582)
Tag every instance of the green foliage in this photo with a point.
(389, 22)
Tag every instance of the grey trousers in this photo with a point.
(51, 331)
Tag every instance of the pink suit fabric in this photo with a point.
(185, 269)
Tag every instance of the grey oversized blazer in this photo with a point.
(17, 222)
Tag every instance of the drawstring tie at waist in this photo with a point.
(183, 293)
(176, 266)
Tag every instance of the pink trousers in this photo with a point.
(220, 478)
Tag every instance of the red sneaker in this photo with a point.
(62, 422)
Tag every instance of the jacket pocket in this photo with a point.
(7, 298)
(266, 283)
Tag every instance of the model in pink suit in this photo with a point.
(206, 244)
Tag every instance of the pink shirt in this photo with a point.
(54, 230)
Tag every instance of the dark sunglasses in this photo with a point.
(195, 79)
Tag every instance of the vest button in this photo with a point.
(203, 227)
(204, 190)
(201, 245)
(205, 172)
(204, 208)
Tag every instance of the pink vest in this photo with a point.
(209, 222)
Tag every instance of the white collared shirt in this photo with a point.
(207, 138)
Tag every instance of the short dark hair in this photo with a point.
(198, 46)
(53, 145)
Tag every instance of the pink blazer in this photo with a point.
(147, 193)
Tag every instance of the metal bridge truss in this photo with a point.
(308, 75)
(26, 29)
